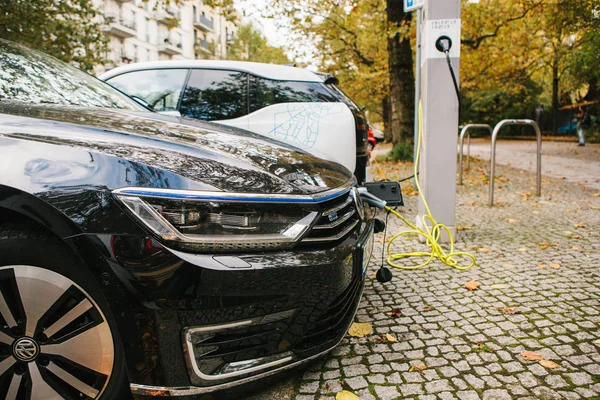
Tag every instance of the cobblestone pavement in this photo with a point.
(540, 257)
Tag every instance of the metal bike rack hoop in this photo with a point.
(460, 151)
(538, 133)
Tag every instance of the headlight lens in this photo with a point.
(222, 226)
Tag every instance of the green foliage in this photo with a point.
(69, 30)
(251, 45)
(403, 151)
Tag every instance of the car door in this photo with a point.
(160, 88)
(219, 96)
(304, 114)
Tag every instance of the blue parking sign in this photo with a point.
(410, 5)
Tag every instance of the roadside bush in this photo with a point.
(403, 151)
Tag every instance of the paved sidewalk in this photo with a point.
(538, 257)
(563, 160)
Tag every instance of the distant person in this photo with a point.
(581, 119)
(539, 114)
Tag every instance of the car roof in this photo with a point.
(270, 71)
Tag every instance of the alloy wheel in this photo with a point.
(55, 341)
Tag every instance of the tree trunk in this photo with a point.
(387, 120)
(555, 103)
(402, 80)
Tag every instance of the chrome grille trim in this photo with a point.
(338, 207)
(337, 222)
(333, 237)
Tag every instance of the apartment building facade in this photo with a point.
(146, 31)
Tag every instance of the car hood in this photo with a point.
(224, 158)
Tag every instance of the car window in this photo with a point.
(342, 96)
(214, 95)
(265, 92)
(160, 88)
(34, 77)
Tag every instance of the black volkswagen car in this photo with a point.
(144, 253)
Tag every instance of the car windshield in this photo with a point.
(33, 77)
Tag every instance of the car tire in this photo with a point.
(57, 336)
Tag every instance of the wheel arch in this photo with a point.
(20, 207)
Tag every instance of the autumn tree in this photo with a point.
(250, 45)
(69, 29)
(351, 40)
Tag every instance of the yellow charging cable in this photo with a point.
(432, 236)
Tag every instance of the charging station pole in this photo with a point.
(437, 169)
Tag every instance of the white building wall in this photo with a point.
(137, 32)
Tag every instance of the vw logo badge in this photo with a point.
(25, 349)
(333, 216)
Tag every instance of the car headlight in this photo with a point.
(216, 226)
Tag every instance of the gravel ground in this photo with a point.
(538, 268)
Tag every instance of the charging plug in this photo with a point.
(443, 44)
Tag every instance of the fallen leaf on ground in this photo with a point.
(498, 286)
(575, 247)
(531, 356)
(577, 237)
(555, 266)
(510, 310)
(542, 265)
(471, 203)
(472, 285)
(427, 308)
(346, 395)
(358, 329)
(536, 212)
(396, 313)
(417, 368)
(383, 239)
(549, 364)
(463, 228)
(390, 338)
(594, 207)
(543, 246)
(523, 249)
(579, 225)
(597, 341)
(512, 220)
(596, 194)
(509, 265)
(484, 250)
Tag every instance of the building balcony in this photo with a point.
(205, 47)
(119, 26)
(116, 58)
(230, 38)
(205, 24)
(168, 16)
(170, 47)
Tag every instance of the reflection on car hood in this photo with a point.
(227, 158)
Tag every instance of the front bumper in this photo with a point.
(234, 327)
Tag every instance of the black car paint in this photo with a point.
(60, 165)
